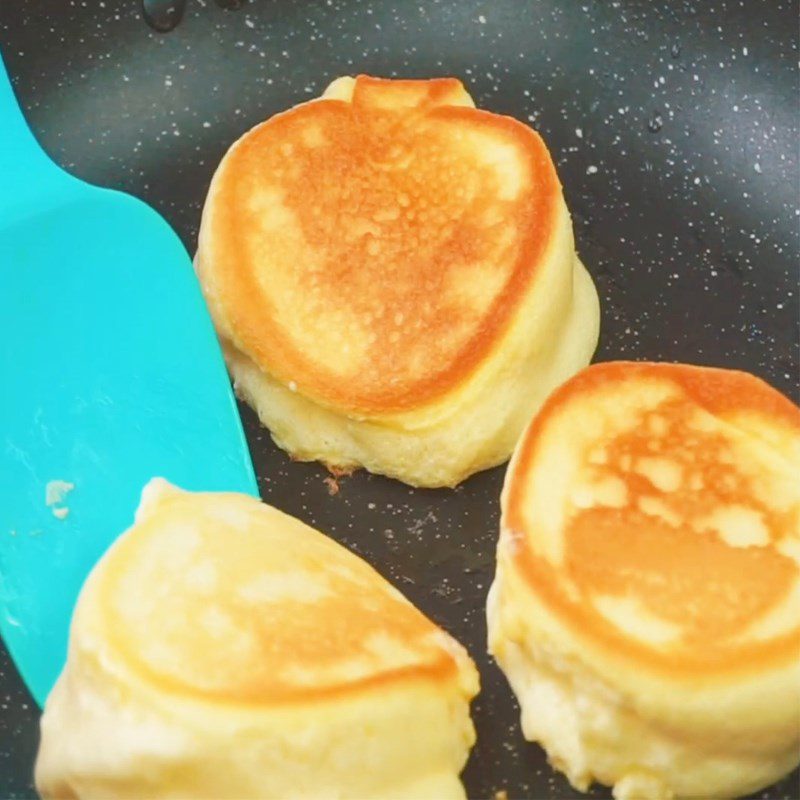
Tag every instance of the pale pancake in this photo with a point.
(649, 574)
(259, 657)
(378, 253)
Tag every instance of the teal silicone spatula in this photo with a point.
(110, 374)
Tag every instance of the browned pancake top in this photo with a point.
(677, 536)
(216, 596)
(371, 252)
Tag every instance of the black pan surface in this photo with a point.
(674, 126)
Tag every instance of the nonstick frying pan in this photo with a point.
(674, 126)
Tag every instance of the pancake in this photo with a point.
(222, 649)
(393, 276)
(646, 606)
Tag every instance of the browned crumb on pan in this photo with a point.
(501, 794)
(340, 472)
(333, 485)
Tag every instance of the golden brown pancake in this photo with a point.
(382, 262)
(648, 580)
(224, 649)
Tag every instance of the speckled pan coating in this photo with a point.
(674, 128)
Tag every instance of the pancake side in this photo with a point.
(444, 444)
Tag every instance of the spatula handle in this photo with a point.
(23, 164)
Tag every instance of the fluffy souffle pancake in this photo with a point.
(222, 649)
(393, 276)
(646, 606)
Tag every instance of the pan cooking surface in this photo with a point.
(674, 128)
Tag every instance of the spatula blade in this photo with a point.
(111, 374)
